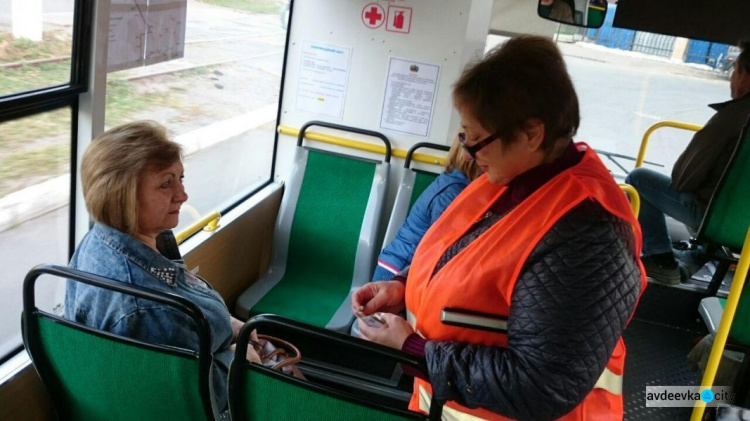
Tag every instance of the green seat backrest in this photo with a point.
(97, 378)
(740, 331)
(728, 214)
(265, 396)
(323, 240)
(421, 181)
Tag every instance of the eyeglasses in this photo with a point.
(473, 149)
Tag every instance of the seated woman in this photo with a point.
(518, 295)
(132, 183)
(459, 172)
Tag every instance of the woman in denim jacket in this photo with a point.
(459, 172)
(132, 183)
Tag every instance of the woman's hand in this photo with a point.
(236, 326)
(250, 355)
(392, 333)
(385, 296)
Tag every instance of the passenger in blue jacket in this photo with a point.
(459, 172)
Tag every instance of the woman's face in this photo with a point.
(503, 163)
(160, 195)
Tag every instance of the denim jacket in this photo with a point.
(110, 253)
(426, 210)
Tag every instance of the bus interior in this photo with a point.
(309, 128)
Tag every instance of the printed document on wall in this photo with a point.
(409, 97)
(323, 76)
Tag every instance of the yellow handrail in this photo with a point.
(363, 146)
(635, 199)
(650, 130)
(209, 222)
(738, 282)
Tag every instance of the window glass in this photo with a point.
(34, 214)
(629, 80)
(219, 100)
(35, 44)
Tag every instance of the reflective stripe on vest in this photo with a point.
(610, 381)
(449, 414)
(468, 299)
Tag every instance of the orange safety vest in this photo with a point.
(469, 299)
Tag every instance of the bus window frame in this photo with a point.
(45, 99)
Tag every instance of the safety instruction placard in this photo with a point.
(409, 97)
(323, 77)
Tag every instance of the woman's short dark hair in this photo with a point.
(522, 79)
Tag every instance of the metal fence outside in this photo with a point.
(700, 52)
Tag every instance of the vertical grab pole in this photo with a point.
(724, 326)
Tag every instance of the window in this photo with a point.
(34, 209)
(629, 80)
(43, 70)
(219, 101)
(35, 44)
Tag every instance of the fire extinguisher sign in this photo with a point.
(399, 19)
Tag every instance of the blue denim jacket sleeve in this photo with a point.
(158, 325)
(426, 210)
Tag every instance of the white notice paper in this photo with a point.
(127, 34)
(323, 76)
(166, 35)
(409, 97)
(144, 32)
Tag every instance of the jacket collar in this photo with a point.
(138, 253)
(721, 105)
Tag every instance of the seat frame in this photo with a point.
(264, 322)
(405, 191)
(717, 251)
(365, 253)
(32, 338)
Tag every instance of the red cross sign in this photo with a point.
(373, 15)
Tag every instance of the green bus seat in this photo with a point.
(413, 184)
(725, 225)
(258, 393)
(95, 375)
(324, 238)
(712, 308)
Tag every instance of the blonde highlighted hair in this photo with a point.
(113, 165)
(457, 160)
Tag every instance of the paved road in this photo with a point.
(618, 104)
(619, 100)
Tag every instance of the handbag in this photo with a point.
(277, 354)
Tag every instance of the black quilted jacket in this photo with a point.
(569, 307)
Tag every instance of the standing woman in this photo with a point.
(518, 295)
(132, 183)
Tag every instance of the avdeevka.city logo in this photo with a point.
(686, 396)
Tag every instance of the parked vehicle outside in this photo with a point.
(726, 63)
